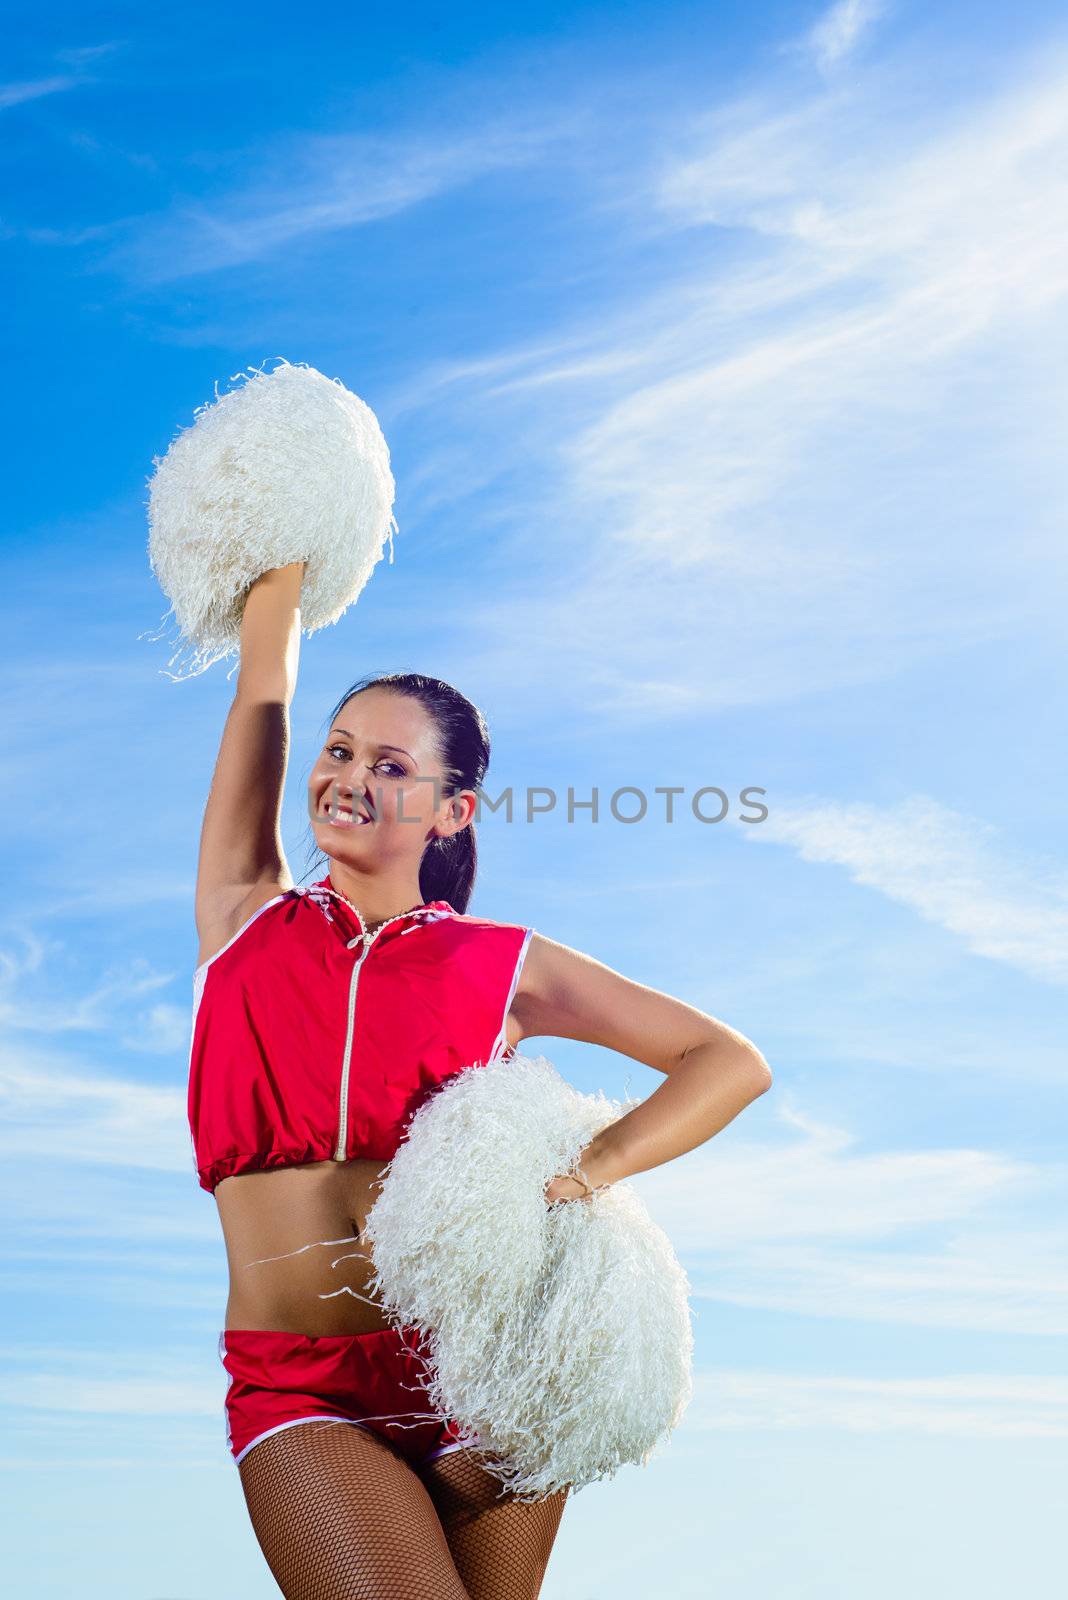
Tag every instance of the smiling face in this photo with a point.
(377, 793)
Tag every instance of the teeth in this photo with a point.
(347, 816)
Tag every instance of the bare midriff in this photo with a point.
(298, 1261)
(312, 1218)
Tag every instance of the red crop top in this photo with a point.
(311, 1042)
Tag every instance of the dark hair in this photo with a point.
(447, 870)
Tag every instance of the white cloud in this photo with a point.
(820, 1188)
(14, 967)
(36, 993)
(68, 1116)
(163, 1029)
(966, 1405)
(947, 867)
(120, 893)
(18, 92)
(15, 94)
(81, 55)
(153, 1395)
(839, 30)
(42, 1384)
(931, 1238)
(104, 1008)
(319, 184)
(801, 457)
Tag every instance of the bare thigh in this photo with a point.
(500, 1545)
(340, 1515)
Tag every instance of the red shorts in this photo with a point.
(375, 1380)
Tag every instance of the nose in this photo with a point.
(351, 790)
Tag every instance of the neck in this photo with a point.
(375, 897)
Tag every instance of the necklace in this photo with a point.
(373, 927)
(370, 929)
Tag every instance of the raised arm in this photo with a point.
(242, 863)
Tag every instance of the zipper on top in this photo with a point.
(367, 940)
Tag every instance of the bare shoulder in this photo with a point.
(551, 971)
(564, 993)
(230, 910)
(544, 957)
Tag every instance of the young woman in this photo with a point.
(322, 1017)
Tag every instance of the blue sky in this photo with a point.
(719, 350)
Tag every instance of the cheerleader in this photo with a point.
(324, 1015)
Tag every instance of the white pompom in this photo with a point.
(288, 466)
(559, 1335)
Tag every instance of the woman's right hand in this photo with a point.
(270, 634)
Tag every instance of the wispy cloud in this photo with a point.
(319, 184)
(934, 1238)
(83, 1117)
(952, 869)
(967, 1405)
(105, 1007)
(123, 891)
(839, 30)
(149, 1396)
(787, 467)
(82, 55)
(162, 1029)
(15, 94)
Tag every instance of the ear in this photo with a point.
(459, 809)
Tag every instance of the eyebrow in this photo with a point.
(403, 752)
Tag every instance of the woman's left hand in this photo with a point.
(564, 1189)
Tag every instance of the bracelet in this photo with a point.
(575, 1172)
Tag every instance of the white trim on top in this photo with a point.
(204, 965)
(501, 1041)
(200, 977)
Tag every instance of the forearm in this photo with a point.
(241, 841)
(270, 636)
(712, 1083)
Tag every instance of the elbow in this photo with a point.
(731, 1051)
(750, 1063)
(759, 1071)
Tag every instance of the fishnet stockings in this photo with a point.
(501, 1545)
(340, 1515)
